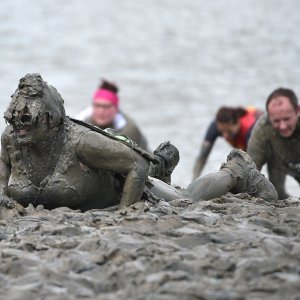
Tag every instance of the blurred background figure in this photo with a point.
(104, 113)
(234, 124)
(275, 140)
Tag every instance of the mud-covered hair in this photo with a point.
(107, 85)
(230, 114)
(43, 98)
(288, 93)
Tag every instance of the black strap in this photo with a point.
(134, 146)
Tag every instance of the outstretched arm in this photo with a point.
(201, 159)
(212, 133)
(101, 152)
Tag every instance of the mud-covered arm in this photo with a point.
(8, 206)
(277, 177)
(4, 167)
(201, 159)
(212, 133)
(101, 152)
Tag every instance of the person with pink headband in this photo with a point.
(104, 113)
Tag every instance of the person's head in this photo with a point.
(35, 110)
(105, 104)
(228, 121)
(283, 111)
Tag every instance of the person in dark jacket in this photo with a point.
(234, 124)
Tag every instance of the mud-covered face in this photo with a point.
(30, 127)
(228, 130)
(35, 108)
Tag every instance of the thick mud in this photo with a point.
(232, 247)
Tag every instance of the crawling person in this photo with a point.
(48, 159)
(105, 113)
(275, 140)
(234, 124)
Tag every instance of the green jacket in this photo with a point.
(282, 155)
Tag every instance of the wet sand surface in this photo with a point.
(233, 247)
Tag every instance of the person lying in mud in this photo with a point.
(48, 159)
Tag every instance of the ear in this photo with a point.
(298, 110)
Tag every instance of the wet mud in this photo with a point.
(231, 247)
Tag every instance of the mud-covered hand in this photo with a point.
(168, 156)
(10, 204)
(7, 202)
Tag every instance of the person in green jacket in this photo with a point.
(275, 139)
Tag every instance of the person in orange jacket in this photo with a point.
(234, 124)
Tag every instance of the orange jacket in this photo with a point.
(247, 121)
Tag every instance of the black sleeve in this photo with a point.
(212, 132)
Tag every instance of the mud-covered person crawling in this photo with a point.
(48, 159)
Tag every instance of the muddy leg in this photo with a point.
(211, 186)
(248, 179)
(238, 175)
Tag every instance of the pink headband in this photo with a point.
(108, 95)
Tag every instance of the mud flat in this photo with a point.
(233, 247)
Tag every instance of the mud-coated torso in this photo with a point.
(71, 184)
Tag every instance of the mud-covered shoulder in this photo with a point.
(262, 131)
(259, 143)
(263, 125)
(8, 138)
(75, 130)
(81, 137)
